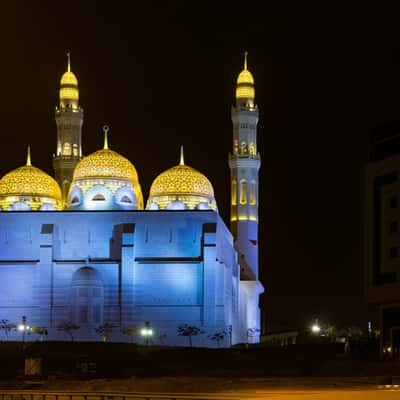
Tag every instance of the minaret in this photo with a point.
(69, 120)
(244, 163)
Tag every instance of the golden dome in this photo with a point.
(182, 183)
(245, 83)
(245, 77)
(69, 78)
(106, 163)
(30, 181)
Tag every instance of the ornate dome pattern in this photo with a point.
(181, 179)
(105, 163)
(29, 181)
(181, 184)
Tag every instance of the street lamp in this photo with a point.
(23, 327)
(146, 332)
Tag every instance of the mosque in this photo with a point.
(84, 250)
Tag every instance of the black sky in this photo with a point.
(163, 75)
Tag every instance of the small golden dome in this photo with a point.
(69, 78)
(245, 83)
(182, 183)
(245, 77)
(31, 182)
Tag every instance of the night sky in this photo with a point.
(163, 75)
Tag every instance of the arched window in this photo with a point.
(98, 197)
(75, 200)
(253, 193)
(243, 192)
(126, 199)
(75, 150)
(66, 149)
(234, 192)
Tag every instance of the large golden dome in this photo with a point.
(29, 181)
(105, 163)
(182, 183)
(105, 180)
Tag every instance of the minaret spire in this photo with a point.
(106, 128)
(245, 60)
(28, 157)
(182, 158)
(68, 61)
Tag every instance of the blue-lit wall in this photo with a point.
(125, 268)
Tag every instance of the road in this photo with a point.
(361, 393)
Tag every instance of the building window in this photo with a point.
(83, 314)
(75, 150)
(394, 252)
(253, 193)
(393, 202)
(98, 197)
(234, 192)
(394, 227)
(126, 199)
(66, 149)
(243, 192)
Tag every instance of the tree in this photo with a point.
(39, 330)
(130, 331)
(7, 327)
(105, 330)
(218, 336)
(161, 337)
(68, 328)
(189, 331)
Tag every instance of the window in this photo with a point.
(75, 150)
(394, 252)
(394, 227)
(243, 192)
(98, 197)
(234, 192)
(75, 200)
(126, 199)
(66, 149)
(253, 193)
(393, 202)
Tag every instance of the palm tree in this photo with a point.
(7, 327)
(68, 327)
(189, 331)
(218, 336)
(105, 330)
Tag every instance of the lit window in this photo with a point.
(243, 192)
(98, 197)
(66, 149)
(75, 150)
(253, 193)
(234, 192)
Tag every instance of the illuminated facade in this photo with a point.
(93, 255)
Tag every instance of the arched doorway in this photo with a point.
(87, 297)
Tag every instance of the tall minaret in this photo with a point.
(69, 120)
(244, 163)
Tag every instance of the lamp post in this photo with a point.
(23, 327)
(146, 332)
(316, 328)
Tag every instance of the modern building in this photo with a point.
(84, 250)
(382, 234)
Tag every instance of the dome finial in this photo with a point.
(106, 128)
(182, 158)
(28, 157)
(68, 61)
(245, 59)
